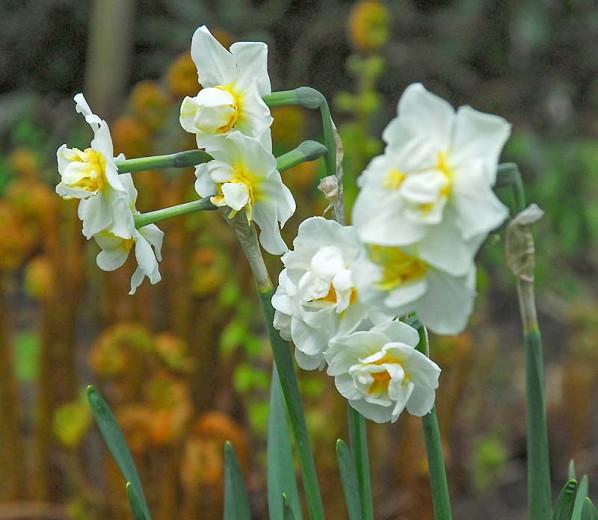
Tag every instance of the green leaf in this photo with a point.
(589, 511)
(287, 510)
(571, 471)
(281, 471)
(346, 468)
(359, 449)
(539, 492)
(564, 504)
(116, 443)
(135, 503)
(438, 481)
(292, 397)
(236, 501)
(581, 495)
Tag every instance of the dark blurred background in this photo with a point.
(185, 364)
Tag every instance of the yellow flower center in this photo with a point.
(397, 266)
(92, 177)
(382, 379)
(331, 296)
(394, 179)
(237, 105)
(240, 176)
(443, 167)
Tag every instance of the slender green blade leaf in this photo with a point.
(135, 503)
(571, 471)
(580, 496)
(438, 481)
(115, 441)
(359, 448)
(564, 504)
(236, 501)
(292, 397)
(589, 511)
(287, 510)
(346, 468)
(281, 471)
(539, 490)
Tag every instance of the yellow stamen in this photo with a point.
(382, 379)
(237, 107)
(394, 179)
(397, 266)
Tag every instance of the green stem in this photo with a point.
(306, 151)
(509, 176)
(290, 390)
(310, 98)
(359, 450)
(157, 162)
(151, 217)
(538, 466)
(438, 481)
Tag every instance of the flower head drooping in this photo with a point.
(433, 185)
(398, 281)
(243, 177)
(233, 86)
(92, 176)
(316, 298)
(147, 242)
(381, 373)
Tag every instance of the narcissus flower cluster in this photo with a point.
(107, 202)
(232, 122)
(424, 208)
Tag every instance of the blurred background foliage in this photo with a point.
(185, 364)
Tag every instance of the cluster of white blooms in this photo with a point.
(107, 202)
(424, 209)
(232, 123)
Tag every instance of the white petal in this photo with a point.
(204, 185)
(448, 302)
(445, 248)
(479, 136)
(426, 115)
(236, 195)
(251, 59)
(111, 259)
(264, 215)
(405, 295)
(215, 65)
(155, 236)
(478, 209)
(378, 218)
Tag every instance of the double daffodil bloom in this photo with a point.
(91, 175)
(243, 177)
(316, 299)
(147, 242)
(381, 373)
(433, 185)
(233, 86)
(398, 281)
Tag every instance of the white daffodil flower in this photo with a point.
(243, 177)
(233, 86)
(316, 298)
(398, 281)
(92, 176)
(433, 185)
(381, 373)
(147, 242)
